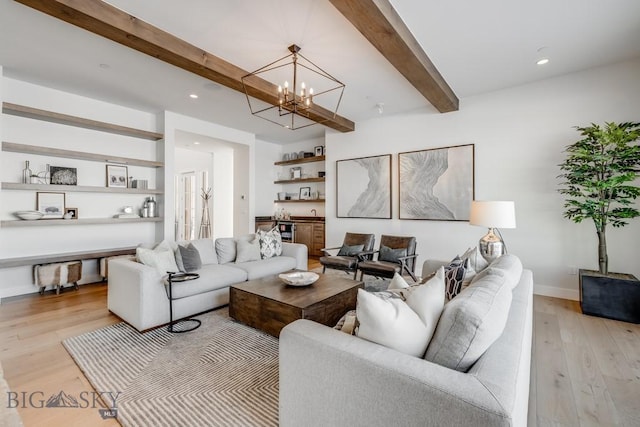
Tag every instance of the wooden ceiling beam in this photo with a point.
(101, 18)
(378, 21)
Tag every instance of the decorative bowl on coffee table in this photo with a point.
(299, 278)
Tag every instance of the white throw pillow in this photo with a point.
(161, 258)
(403, 320)
(247, 250)
(397, 283)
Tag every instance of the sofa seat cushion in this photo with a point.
(471, 322)
(212, 277)
(267, 267)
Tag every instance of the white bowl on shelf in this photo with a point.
(29, 215)
(299, 278)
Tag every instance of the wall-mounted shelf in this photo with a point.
(79, 155)
(299, 161)
(81, 221)
(297, 181)
(77, 188)
(50, 116)
(300, 201)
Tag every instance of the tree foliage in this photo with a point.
(600, 177)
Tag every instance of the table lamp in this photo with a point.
(494, 215)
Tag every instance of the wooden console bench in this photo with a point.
(64, 257)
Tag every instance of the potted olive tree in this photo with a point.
(600, 175)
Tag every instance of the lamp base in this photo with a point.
(491, 246)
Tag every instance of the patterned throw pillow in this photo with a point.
(454, 276)
(346, 250)
(270, 243)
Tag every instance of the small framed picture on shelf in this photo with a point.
(63, 176)
(319, 149)
(305, 193)
(117, 176)
(50, 204)
(70, 213)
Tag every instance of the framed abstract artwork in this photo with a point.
(363, 187)
(437, 184)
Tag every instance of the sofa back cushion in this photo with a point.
(471, 322)
(206, 251)
(226, 247)
(510, 265)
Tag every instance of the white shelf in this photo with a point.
(79, 155)
(71, 222)
(65, 119)
(77, 188)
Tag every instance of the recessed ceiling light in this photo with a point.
(196, 143)
(193, 96)
(542, 61)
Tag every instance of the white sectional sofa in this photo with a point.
(329, 378)
(137, 294)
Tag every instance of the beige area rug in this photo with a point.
(8, 416)
(221, 374)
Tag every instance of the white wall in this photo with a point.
(241, 179)
(519, 136)
(266, 173)
(17, 242)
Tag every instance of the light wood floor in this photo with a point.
(585, 370)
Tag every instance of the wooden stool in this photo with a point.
(57, 274)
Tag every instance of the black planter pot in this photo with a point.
(614, 296)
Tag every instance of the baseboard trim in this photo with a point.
(552, 291)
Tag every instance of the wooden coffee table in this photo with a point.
(269, 305)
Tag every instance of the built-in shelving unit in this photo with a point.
(78, 155)
(50, 116)
(64, 119)
(300, 180)
(69, 222)
(77, 188)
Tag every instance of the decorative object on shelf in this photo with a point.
(600, 176)
(51, 205)
(205, 222)
(140, 183)
(299, 278)
(296, 173)
(29, 215)
(293, 156)
(47, 174)
(494, 215)
(26, 173)
(70, 213)
(305, 193)
(150, 206)
(282, 195)
(318, 150)
(61, 175)
(321, 174)
(286, 157)
(437, 183)
(294, 104)
(364, 187)
(127, 212)
(117, 176)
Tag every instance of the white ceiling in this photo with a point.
(478, 47)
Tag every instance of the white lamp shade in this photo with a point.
(493, 214)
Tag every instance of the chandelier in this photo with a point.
(304, 94)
